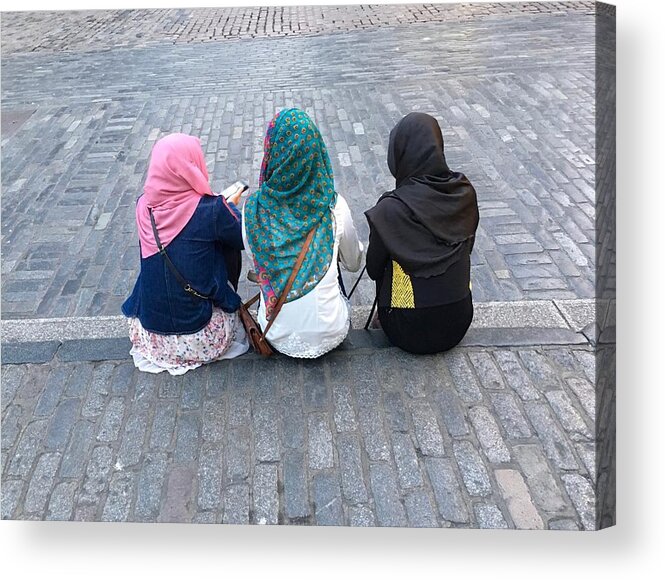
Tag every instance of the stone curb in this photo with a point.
(107, 349)
(572, 315)
(28, 352)
(496, 324)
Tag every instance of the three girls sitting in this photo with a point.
(184, 307)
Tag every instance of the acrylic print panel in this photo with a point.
(513, 428)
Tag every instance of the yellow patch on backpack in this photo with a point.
(402, 289)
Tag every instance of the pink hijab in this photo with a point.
(177, 179)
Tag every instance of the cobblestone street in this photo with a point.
(514, 95)
(94, 30)
(480, 437)
(499, 433)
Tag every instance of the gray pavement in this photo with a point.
(480, 437)
(499, 433)
(514, 95)
(74, 31)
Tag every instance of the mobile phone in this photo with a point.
(238, 187)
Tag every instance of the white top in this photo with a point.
(317, 322)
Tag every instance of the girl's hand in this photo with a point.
(235, 198)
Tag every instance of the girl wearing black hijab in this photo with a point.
(421, 237)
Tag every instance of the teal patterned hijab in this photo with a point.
(296, 193)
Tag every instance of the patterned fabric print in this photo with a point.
(296, 194)
(269, 296)
(402, 289)
(177, 351)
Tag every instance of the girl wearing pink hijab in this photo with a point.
(183, 309)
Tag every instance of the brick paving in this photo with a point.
(44, 31)
(514, 95)
(475, 438)
(499, 433)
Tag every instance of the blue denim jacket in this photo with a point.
(160, 302)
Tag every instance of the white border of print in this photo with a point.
(631, 549)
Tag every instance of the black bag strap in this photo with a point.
(371, 313)
(357, 282)
(162, 250)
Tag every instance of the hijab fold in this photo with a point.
(425, 221)
(296, 193)
(177, 179)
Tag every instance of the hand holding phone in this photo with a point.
(235, 198)
(234, 192)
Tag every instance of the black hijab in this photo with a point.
(425, 221)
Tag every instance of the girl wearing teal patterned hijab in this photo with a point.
(296, 193)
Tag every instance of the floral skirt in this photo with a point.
(223, 337)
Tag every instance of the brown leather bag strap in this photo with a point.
(289, 283)
(252, 300)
